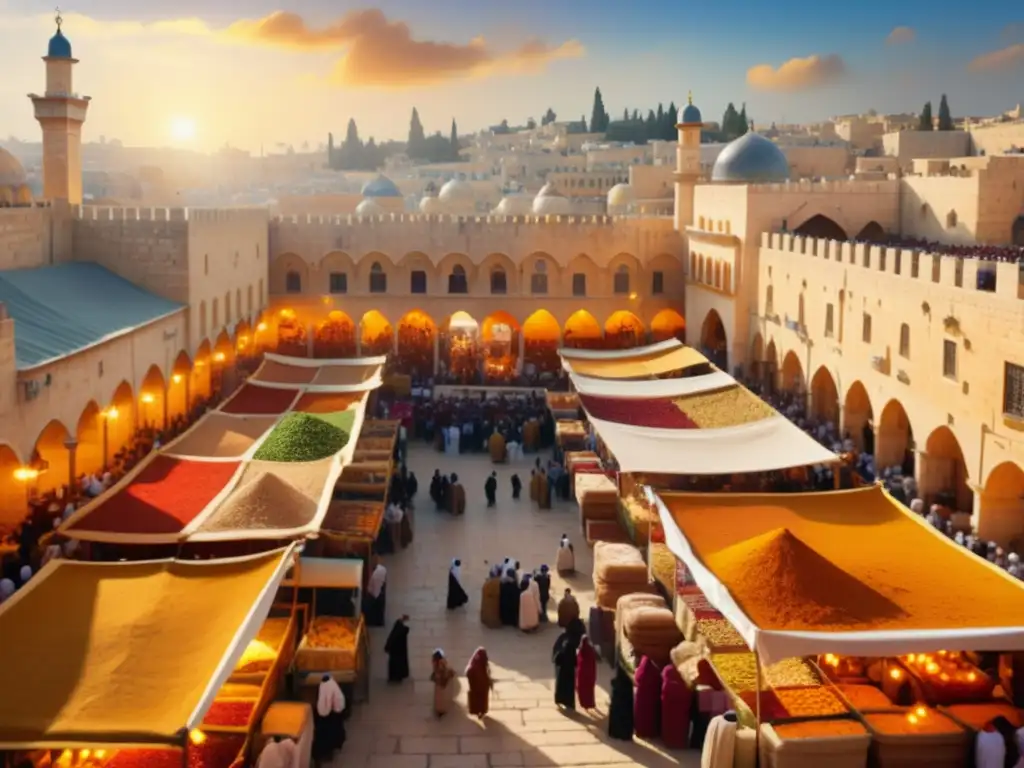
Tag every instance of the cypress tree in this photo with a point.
(625, 115)
(330, 150)
(671, 115)
(945, 118)
(729, 121)
(415, 146)
(454, 141)
(598, 115)
(925, 122)
(742, 122)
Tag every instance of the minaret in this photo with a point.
(60, 113)
(687, 162)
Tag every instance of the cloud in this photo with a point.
(1012, 32)
(797, 74)
(1003, 60)
(901, 35)
(378, 52)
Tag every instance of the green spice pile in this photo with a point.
(302, 437)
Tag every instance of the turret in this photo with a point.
(687, 162)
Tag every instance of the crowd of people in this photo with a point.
(1013, 254)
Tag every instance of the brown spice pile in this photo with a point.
(816, 729)
(308, 477)
(266, 503)
(344, 375)
(279, 373)
(729, 407)
(217, 436)
(782, 583)
(326, 402)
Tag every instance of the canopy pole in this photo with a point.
(757, 713)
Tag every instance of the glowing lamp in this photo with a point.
(111, 414)
(25, 474)
(100, 754)
(84, 754)
(200, 363)
(972, 676)
(243, 339)
(219, 357)
(261, 327)
(632, 296)
(147, 398)
(912, 719)
(176, 378)
(287, 314)
(920, 711)
(895, 674)
(196, 736)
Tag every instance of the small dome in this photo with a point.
(60, 47)
(549, 190)
(514, 205)
(11, 172)
(751, 158)
(381, 186)
(431, 206)
(457, 191)
(369, 208)
(621, 195)
(551, 205)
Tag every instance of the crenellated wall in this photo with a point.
(34, 236)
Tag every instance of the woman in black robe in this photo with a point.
(435, 489)
(563, 656)
(543, 579)
(457, 596)
(397, 649)
(446, 492)
(620, 709)
(508, 600)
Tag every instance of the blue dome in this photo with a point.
(381, 186)
(689, 115)
(60, 47)
(751, 158)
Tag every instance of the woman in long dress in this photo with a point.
(620, 710)
(478, 673)
(375, 600)
(457, 596)
(529, 606)
(397, 649)
(508, 599)
(647, 700)
(443, 679)
(586, 674)
(565, 561)
(328, 722)
(563, 655)
(490, 599)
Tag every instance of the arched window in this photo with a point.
(951, 220)
(622, 280)
(769, 301)
(378, 278)
(457, 282)
(539, 278)
(905, 341)
(499, 281)
(293, 282)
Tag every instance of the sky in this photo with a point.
(204, 73)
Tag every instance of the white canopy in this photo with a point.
(648, 388)
(620, 354)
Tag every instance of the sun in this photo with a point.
(183, 129)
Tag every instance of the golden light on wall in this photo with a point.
(147, 398)
(176, 378)
(261, 327)
(219, 357)
(111, 414)
(25, 474)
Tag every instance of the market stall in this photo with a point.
(350, 529)
(563, 405)
(138, 697)
(666, 358)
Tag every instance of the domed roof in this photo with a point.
(514, 205)
(689, 115)
(369, 208)
(457, 191)
(751, 158)
(11, 172)
(551, 205)
(381, 186)
(431, 206)
(60, 46)
(548, 190)
(620, 195)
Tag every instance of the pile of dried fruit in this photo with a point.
(815, 729)
(810, 702)
(730, 407)
(719, 633)
(302, 437)
(332, 632)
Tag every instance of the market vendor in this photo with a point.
(376, 594)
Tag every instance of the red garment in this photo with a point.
(647, 700)
(676, 700)
(586, 674)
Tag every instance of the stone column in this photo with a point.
(72, 445)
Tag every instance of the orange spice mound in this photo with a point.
(898, 724)
(816, 729)
(977, 716)
(780, 582)
(865, 697)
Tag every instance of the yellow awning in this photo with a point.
(126, 653)
(641, 366)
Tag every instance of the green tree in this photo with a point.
(598, 116)
(925, 122)
(416, 137)
(330, 150)
(549, 117)
(350, 156)
(945, 118)
(742, 121)
(453, 140)
(669, 132)
(729, 121)
(530, 124)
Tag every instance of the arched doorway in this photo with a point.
(178, 390)
(89, 434)
(822, 226)
(335, 337)
(872, 233)
(713, 340)
(858, 418)
(793, 379)
(500, 334)
(1001, 506)
(771, 367)
(417, 336)
(222, 368)
(668, 324)
(582, 331)
(13, 497)
(153, 400)
(1017, 231)
(756, 360)
(943, 476)
(376, 335)
(895, 439)
(245, 348)
(291, 335)
(200, 388)
(120, 419)
(623, 330)
(824, 397)
(460, 348)
(541, 339)
(50, 460)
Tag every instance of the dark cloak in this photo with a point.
(457, 596)
(397, 649)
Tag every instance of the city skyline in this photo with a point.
(201, 76)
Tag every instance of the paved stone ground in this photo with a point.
(397, 728)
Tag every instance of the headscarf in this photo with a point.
(7, 588)
(917, 506)
(564, 543)
(510, 576)
(376, 582)
(456, 569)
(438, 654)
(25, 573)
(495, 571)
(329, 697)
(479, 657)
(524, 583)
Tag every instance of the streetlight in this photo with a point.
(108, 416)
(147, 400)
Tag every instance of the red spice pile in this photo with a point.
(162, 499)
(781, 583)
(655, 412)
(230, 713)
(260, 401)
(218, 751)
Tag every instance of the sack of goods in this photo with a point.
(648, 624)
(642, 515)
(619, 569)
(598, 498)
(570, 434)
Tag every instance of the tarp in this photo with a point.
(62, 309)
(761, 446)
(126, 653)
(620, 354)
(945, 597)
(643, 366)
(330, 572)
(648, 388)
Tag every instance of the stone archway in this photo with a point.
(822, 226)
(152, 408)
(771, 367)
(500, 335)
(121, 419)
(582, 331)
(755, 362)
(943, 477)
(200, 388)
(335, 337)
(824, 397)
(89, 435)
(858, 418)
(668, 324)
(1001, 506)
(895, 439)
(713, 340)
(50, 463)
(376, 335)
(460, 347)
(291, 335)
(417, 344)
(178, 387)
(13, 496)
(793, 379)
(542, 335)
(624, 330)
(871, 232)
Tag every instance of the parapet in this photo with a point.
(198, 215)
(1004, 279)
(835, 186)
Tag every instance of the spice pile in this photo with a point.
(863, 697)
(814, 729)
(279, 373)
(781, 583)
(217, 750)
(266, 503)
(356, 518)
(332, 632)
(260, 401)
(812, 701)
(729, 407)
(302, 437)
(720, 635)
(739, 672)
(652, 412)
(663, 566)
(234, 714)
(919, 721)
(218, 436)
